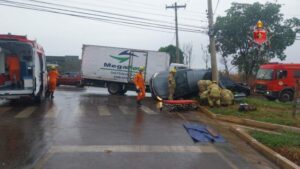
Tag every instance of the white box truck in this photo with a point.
(114, 67)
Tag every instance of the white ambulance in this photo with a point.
(29, 77)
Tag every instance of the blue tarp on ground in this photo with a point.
(199, 133)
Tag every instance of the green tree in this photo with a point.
(232, 30)
(171, 49)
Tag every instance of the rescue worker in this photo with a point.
(139, 82)
(226, 97)
(214, 94)
(203, 85)
(14, 69)
(52, 76)
(171, 83)
(203, 97)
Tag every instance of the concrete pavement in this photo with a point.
(87, 128)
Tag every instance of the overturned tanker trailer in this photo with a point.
(186, 84)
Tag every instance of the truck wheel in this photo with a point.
(271, 98)
(286, 96)
(123, 91)
(114, 88)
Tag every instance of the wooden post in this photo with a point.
(295, 98)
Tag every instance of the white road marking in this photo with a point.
(41, 162)
(52, 113)
(147, 110)
(123, 149)
(133, 149)
(26, 112)
(126, 110)
(103, 111)
(5, 109)
(78, 110)
(231, 164)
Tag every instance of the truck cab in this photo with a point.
(28, 78)
(277, 81)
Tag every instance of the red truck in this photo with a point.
(277, 81)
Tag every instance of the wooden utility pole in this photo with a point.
(212, 45)
(296, 95)
(175, 6)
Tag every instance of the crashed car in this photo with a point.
(236, 88)
(186, 84)
(70, 78)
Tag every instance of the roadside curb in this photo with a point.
(248, 122)
(266, 151)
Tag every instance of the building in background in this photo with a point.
(65, 64)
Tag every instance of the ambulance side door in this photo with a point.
(40, 74)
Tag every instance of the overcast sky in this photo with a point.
(64, 35)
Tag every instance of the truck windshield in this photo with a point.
(264, 74)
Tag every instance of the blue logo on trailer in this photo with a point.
(120, 57)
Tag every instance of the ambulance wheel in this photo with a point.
(80, 85)
(37, 99)
(286, 96)
(114, 88)
(13, 101)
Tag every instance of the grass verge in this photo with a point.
(287, 144)
(267, 111)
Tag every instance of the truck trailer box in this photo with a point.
(115, 67)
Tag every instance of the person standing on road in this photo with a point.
(139, 82)
(13, 64)
(52, 76)
(172, 83)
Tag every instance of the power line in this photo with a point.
(85, 17)
(149, 6)
(142, 23)
(102, 12)
(124, 23)
(145, 5)
(215, 11)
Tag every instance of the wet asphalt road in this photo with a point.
(87, 128)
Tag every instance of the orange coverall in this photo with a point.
(140, 84)
(53, 75)
(13, 63)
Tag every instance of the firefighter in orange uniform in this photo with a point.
(140, 86)
(52, 76)
(13, 63)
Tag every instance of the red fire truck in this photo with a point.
(30, 81)
(277, 80)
